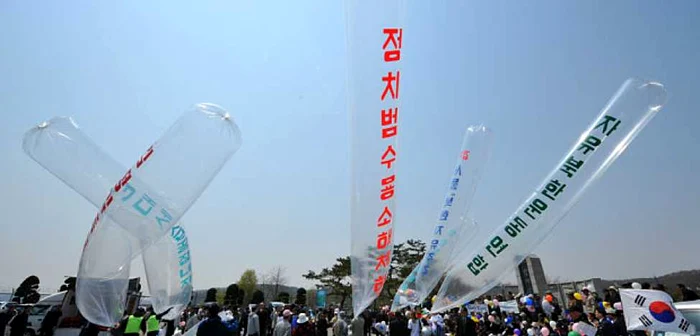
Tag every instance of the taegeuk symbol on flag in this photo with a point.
(646, 309)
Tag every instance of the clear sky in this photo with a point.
(536, 72)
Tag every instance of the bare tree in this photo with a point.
(277, 278)
(266, 285)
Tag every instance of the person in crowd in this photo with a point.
(368, 323)
(340, 327)
(357, 325)
(687, 294)
(605, 325)
(150, 324)
(414, 325)
(465, 324)
(6, 315)
(589, 301)
(619, 323)
(398, 325)
(18, 324)
(212, 325)
(50, 321)
(253, 326)
(130, 325)
(265, 319)
(284, 327)
(304, 326)
(193, 320)
(322, 324)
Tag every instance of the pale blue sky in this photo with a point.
(536, 72)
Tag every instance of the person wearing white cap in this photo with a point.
(304, 327)
(284, 327)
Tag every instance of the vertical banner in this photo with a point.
(452, 229)
(600, 144)
(374, 76)
(321, 298)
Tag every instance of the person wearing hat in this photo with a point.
(284, 327)
(304, 326)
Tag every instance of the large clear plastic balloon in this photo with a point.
(146, 203)
(453, 228)
(625, 115)
(57, 145)
(374, 45)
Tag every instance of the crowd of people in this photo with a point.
(582, 313)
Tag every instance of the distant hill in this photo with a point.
(690, 278)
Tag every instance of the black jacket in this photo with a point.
(466, 326)
(212, 327)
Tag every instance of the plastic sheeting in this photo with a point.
(453, 229)
(374, 46)
(141, 208)
(620, 121)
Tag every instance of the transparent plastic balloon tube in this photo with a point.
(141, 208)
(374, 47)
(61, 147)
(620, 121)
(452, 228)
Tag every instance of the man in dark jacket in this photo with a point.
(50, 321)
(465, 325)
(18, 325)
(398, 325)
(212, 326)
(5, 316)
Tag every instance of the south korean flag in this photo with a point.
(646, 309)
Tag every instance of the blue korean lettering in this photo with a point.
(438, 230)
(166, 218)
(150, 203)
(454, 184)
(449, 200)
(185, 258)
(127, 189)
(458, 170)
(444, 214)
(177, 232)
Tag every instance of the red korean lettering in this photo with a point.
(379, 284)
(385, 218)
(123, 181)
(384, 239)
(392, 85)
(389, 122)
(393, 36)
(389, 156)
(465, 155)
(144, 157)
(107, 202)
(387, 187)
(383, 260)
